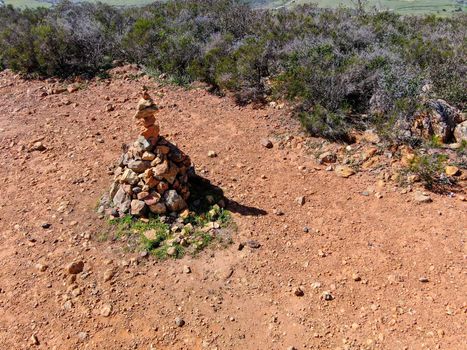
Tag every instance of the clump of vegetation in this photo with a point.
(341, 68)
(429, 168)
(166, 237)
(205, 222)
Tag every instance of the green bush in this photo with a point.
(429, 169)
(340, 68)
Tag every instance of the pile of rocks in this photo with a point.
(152, 174)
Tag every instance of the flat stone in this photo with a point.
(344, 171)
(142, 195)
(139, 166)
(253, 244)
(421, 197)
(451, 170)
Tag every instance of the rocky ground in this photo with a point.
(341, 263)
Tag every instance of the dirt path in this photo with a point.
(232, 299)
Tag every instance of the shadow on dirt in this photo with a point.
(204, 193)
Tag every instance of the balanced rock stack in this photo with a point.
(152, 174)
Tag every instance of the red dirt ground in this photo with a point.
(232, 299)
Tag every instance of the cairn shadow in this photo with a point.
(204, 193)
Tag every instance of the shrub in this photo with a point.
(341, 68)
(429, 168)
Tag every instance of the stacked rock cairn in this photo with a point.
(152, 174)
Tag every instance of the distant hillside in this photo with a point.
(442, 7)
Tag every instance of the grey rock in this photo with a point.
(174, 201)
(139, 166)
(142, 143)
(460, 132)
(439, 120)
(122, 200)
(113, 190)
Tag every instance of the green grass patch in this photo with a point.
(188, 235)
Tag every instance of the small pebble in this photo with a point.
(180, 322)
(299, 292)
